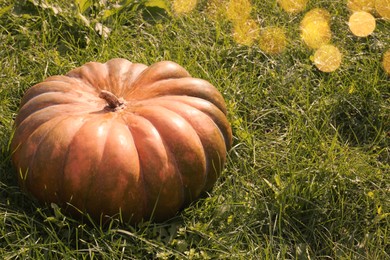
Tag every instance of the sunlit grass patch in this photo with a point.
(293, 6)
(238, 10)
(272, 40)
(383, 8)
(327, 58)
(246, 32)
(386, 61)
(362, 23)
(361, 5)
(183, 6)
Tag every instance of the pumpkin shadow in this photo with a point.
(11, 196)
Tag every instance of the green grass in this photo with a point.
(308, 176)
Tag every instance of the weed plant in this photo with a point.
(308, 176)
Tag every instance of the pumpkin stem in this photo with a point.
(112, 100)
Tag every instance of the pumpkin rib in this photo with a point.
(156, 165)
(156, 212)
(58, 108)
(31, 123)
(80, 165)
(140, 181)
(113, 76)
(94, 177)
(51, 150)
(180, 87)
(69, 207)
(46, 100)
(124, 73)
(24, 129)
(208, 108)
(29, 143)
(145, 208)
(94, 74)
(200, 121)
(158, 71)
(66, 86)
(125, 173)
(128, 189)
(180, 139)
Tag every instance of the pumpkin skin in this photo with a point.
(121, 137)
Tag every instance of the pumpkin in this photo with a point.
(121, 139)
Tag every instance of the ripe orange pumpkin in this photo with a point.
(121, 137)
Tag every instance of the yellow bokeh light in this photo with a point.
(386, 61)
(246, 32)
(293, 6)
(315, 15)
(316, 34)
(183, 6)
(383, 8)
(327, 58)
(315, 28)
(362, 23)
(272, 40)
(361, 5)
(238, 10)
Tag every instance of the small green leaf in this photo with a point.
(83, 5)
(110, 12)
(51, 219)
(118, 8)
(278, 181)
(5, 9)
(157, 3)
(155, 9)
(273, 187)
